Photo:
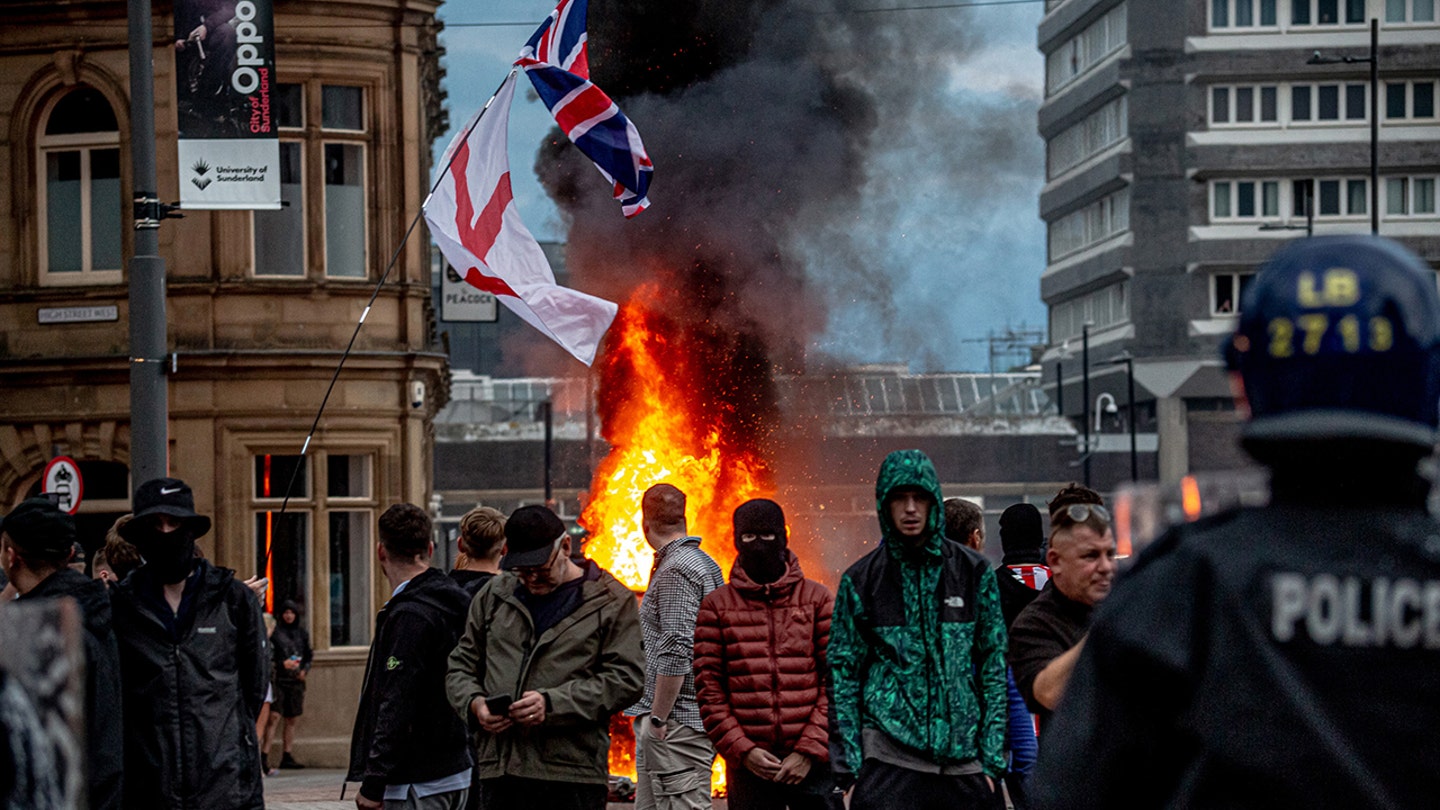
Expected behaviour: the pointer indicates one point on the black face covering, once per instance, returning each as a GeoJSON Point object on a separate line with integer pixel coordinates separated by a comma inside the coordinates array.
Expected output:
{"type": "Point", "coordinates": [170, 556]}
{"type": "Point", "coordinates": [764, 561]}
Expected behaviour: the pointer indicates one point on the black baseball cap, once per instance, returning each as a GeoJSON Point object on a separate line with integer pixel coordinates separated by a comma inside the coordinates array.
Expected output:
{"type": "Point", "coordinates": [37, 526]}
{"type": "Point", "coordinates": [532, 534]}
{"type": "Point", "coordinates": [166, 496]}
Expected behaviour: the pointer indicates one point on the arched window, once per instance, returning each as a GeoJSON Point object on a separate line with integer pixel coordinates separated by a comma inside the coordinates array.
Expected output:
{"type": "Point", "coordinates": [81, 205]}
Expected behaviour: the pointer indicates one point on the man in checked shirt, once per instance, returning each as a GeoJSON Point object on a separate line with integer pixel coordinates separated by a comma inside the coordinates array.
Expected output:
{"type": "Point", "coordinates": [673, 756]}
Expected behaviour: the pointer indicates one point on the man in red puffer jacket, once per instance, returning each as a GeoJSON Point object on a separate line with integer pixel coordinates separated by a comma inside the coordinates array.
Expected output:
{"type": "Point", "coordinates": [760, 670]}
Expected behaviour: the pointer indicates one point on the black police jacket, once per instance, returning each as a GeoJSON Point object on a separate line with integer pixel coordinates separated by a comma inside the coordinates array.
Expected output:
{"type": "Point", "coordinates": [192, 695]}
{"type": "Point", "coordinates": [1278, 657]}
{"type": "Point", "coordinates": [102, 682]}
{"type": "Point", "coordinates": [405, 731]}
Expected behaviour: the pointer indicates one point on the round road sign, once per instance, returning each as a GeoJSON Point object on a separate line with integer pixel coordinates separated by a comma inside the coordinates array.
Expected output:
{"type": "Point", "coordinates": [62, 477]}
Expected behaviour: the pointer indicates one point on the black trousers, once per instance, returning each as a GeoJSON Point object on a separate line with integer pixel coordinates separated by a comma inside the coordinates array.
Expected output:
{"type": "Point", "coordinates": [746, 791]}
{"type": "Point", "coordinates": [514, 792]}
{"type": "Point", "coordinates": [882, 786]}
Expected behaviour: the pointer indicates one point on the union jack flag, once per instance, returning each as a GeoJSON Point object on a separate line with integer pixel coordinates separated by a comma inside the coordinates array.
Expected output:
{"type": "Point", "coordinates": [555, 60]}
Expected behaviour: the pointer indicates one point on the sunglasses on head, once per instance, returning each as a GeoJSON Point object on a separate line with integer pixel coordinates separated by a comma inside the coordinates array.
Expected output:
{"type": "Point", "coordinates": [1081, 512]}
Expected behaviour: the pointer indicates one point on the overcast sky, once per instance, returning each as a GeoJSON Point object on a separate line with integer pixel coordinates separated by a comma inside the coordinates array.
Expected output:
{"type": "Point", "coordinates": [952, 198]}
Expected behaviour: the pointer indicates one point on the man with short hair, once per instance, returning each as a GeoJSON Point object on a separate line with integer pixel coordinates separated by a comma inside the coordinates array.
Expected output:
{"type": "Point", "coordinates": [1285, 655]}
{"type": "Point", "coordinates": [35, 543]}
{"type": "Point", "coordinates": [409, 751]}
{"type": "Point", "coordinates": [1047, 636]}
{"type": "Point", "coordinates": [194, 664]}
{"type": "Point", "coordinates": [673, 757]}
{"type": "Point", "coordinates": [917, 659]}
{"type": "Point", "coordinates": [551, 650]}
{"type": "Point", "coordinates": [965, 523]}
{"type": "Point", "coordinates": [481, 545]}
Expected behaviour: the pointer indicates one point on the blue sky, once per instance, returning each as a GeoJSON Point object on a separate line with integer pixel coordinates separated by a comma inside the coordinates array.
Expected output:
{"type": "Point", "coordinates": [949, 215]}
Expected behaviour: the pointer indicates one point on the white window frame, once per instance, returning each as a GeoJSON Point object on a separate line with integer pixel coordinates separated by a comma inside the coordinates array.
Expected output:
{"type": "Point", "coordinates": [1409, 117]}
{"type": "Point", "coordinates": [1418, 188]}
{"type": "Point", "coordinates": [1232, 6]}
{"type": "Point", "coordinates": [1409, 14]}
{"type": "Point", "coordinates": [1341, 9]}
{"type": "Point", "coordinates": [85, 143]}
{"type": "Point", "coordinates": [1102, 308]}
{"type": "Point", "coordinates": [291, 134]}
{"type": "Point", "coordinates": [1088, 137]}
{"type": "Point", "coordinates": [1232, 96]}
{"type": "Point", "coordinates": [1095, 223]}
{"type": "Point", "coordinates": [1078, 55]}
{"type": "Point", "coordinates": [1235, 279]}
{"type": "Point", "coordinates": [1230, 187]}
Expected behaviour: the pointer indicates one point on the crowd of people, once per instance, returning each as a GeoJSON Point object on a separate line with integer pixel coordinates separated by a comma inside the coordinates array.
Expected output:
{"type": "Point", "coordinates": [1223, 670]}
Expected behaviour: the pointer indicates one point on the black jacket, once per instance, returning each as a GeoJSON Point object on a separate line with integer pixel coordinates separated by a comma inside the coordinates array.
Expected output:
{"type": "Point", "coordinates": [192, 695]}
{"type": "Point", "coordinates": [1277, 657]}
{"type": "Point", "coordinates": [102, 682]}
{"type": "Point", "coordinates": [405, 731]}
{"type": "Point", "coordinates": [290, 640]}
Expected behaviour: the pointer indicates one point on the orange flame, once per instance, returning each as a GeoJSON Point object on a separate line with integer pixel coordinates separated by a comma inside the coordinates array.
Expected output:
{"type": "Point", "coordinates": [655, 426]}
{"type": "Point", "coordinates": [655, 439]}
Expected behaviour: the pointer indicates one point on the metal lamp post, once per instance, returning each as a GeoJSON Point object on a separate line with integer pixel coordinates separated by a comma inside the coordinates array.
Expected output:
{"type": "Point", "coordinates": [1374, 61]}
{"type": "Point", "coordinates": [1085, 396]}
{"type": "Point", "coordinates": [1129, 362]}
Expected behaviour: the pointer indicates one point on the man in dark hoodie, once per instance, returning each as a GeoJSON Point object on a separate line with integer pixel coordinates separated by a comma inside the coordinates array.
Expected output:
{"type": "Point", "coordinates": [917, 658]}
{"type": "Point", "coordinates": [1022, 539]}
{"type": "Point", "coordinates": [760, 670]}
{"type": "Point", "coordinates": [35, 544]}
{"type": "Point", "coordinates": [194, 663]}
{"type": "Point", "coordinates": [291, 653]}
{"type": "Point", "coordinates": [409, 750]}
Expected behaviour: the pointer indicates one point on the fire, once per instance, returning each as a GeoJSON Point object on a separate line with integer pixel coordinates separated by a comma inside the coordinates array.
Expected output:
{"type": "Point", "coordinates": [669, 418]}
{"type": "Point", "coordinates": [653, 420]}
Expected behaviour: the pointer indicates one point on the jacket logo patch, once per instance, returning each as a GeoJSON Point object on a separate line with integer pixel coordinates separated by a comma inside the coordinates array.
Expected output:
{"type": "Point", "coordinates": [955, 601]}
{"type": "Point", "coordinates": [206, 630]}
{"type": "Point", "coordinates": [392, 662]}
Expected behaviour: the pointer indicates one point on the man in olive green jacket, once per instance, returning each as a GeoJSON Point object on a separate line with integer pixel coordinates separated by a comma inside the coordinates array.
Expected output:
{"type": "Point", "coordinates": [551, 650]}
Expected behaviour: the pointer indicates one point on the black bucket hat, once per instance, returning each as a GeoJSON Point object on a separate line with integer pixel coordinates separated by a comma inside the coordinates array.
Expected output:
{"type": "Point", "coordinates": [166, 496]}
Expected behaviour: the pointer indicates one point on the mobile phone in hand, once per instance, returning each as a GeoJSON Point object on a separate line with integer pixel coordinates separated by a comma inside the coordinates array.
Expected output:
{"type": "Point", "coordinates": [498, 705]}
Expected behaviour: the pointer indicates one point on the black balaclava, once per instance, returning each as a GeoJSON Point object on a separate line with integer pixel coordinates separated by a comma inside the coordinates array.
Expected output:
{"type": "Point", "coordinates": [764, 561]}
{"type": "Point", "coordinates": [1022, 534]}
{"type": "Point", "coordinates": [170, 556]}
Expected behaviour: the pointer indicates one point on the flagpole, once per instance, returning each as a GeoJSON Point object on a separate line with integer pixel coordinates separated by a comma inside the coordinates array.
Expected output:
{"type": "Point", "coordinates": [394, 257]}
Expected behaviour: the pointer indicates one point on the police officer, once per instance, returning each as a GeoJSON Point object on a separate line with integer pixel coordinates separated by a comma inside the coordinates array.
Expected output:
{"type": "Point", "coordinates": [1286, 656]}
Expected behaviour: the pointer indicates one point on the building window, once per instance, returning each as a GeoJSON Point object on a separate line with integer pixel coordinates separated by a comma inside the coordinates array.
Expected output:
{"type": "Point", "coordinates": [1246, 104]}
{"type": "Point", "coordinates": [1244, 199]}
{"type": "Point", "coordinates": [1327, 12]}
{"type": "Point", "coordinates": [81, 205]}
{"type": "Point", "coordinates": [1090, 225]}
{"type": "Point", "coordinates": [1095, 133]}
{"type": "Point", "coordinates": [1242, 13]}
{"type": "Point", "coordinates": [326, 524]}
{"type": "Point", "coordinates": [1091, 46]}
{"type": "Point", "coordinates": [1102, 308]}
{"type": "Point", "coordinates": [1329, 102]}
{"type": "Point", "coordinates": [1227, 290]}
{"type": "Point", "coordinates": [1410, 100]}
{"type": "Point", "coordinates": [1410, 196]}
{"type": "Point", "coordinates": [1410, 11]}
{"type": "Point", "coordinates": [1334, 197]}
{"type": "Point", "coordinates": [282, 237]}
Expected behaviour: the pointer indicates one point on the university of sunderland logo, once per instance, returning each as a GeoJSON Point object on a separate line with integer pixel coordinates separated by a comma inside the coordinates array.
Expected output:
{"type": "Point", "coordinates": [201, 168]}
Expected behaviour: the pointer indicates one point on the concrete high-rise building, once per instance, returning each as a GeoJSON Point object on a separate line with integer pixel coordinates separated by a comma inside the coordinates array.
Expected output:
{"type": "Point", "coordinates": [1184, 141]}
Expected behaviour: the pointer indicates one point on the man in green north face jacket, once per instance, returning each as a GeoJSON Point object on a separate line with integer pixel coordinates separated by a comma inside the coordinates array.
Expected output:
{"type": "Point", "coordinates": [917, 656]}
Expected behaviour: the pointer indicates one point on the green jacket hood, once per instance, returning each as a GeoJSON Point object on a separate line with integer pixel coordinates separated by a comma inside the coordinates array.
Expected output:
{"type": "Point", "coordinates": [910, 468]}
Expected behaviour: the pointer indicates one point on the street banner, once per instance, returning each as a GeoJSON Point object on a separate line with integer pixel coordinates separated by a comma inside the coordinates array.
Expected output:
{"type": "Point", "coordinates": [224, 74]}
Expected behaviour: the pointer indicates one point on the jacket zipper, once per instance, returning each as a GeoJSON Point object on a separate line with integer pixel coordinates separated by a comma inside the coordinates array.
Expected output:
{"type": "Point", "coordinates": [774, 668]}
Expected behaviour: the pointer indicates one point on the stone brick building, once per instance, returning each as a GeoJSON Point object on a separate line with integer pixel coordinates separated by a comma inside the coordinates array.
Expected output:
{"type": "Point", "coordinates": [260, 305]}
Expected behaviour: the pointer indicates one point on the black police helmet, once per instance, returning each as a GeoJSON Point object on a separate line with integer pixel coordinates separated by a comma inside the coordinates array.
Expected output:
{"type": "Point", "coordinates": [1339, 338]}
